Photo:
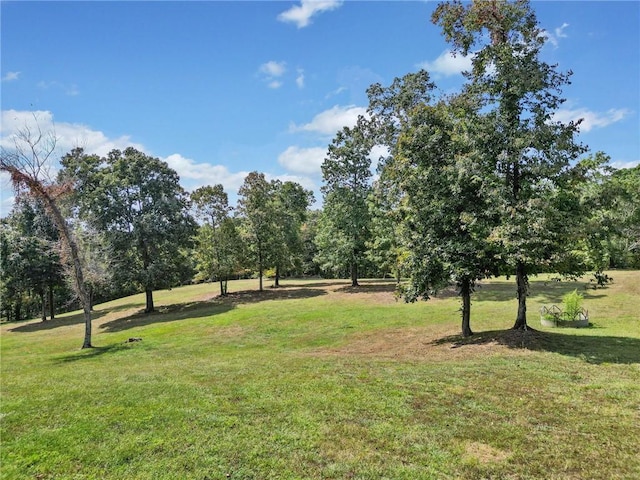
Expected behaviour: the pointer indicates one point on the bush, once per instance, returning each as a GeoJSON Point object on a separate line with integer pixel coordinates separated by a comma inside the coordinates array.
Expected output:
{"type": "Point", "coordinates": [572, 304]}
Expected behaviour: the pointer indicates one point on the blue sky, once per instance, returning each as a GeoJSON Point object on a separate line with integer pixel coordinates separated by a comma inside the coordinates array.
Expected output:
{"type": "Point", "coordinates": [218, 89]}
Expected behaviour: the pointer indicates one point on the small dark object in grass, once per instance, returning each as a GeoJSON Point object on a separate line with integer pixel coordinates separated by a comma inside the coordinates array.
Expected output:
{"type": "Point", "coordinates": [134, 339]}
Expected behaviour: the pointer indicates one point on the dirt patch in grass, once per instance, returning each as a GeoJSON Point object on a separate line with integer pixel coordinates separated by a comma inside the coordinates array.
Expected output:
{"type": "Point", "coordinates": [433, 344]}
{"type": "Point", "coordinates": [426, 344]}
{"type": "Point", "coordinates": [484, 453]}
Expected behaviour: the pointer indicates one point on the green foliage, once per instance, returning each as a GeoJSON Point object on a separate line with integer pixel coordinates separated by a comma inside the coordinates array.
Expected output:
{"type": "Point", "coordinates": [345, 224]}
{"type": "Point", "coordinates": [572, 303]}
{"type": "Point", "coordinates": [137, 202]}
{"type": "Point", "coordinates": [218, 249]}
{"type": "Point", "coordinates": [31, 270]}
{"type": "Point", "coordinates": [310, 383]}
{"type": "Point", "coordinates": [531, 155]}
{"type": "Point", "coordinates": [273, 214]}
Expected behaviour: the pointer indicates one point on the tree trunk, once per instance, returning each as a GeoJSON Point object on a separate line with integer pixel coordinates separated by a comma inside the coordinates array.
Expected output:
{"type": "Point", "coordinates": [18, 310]}
{"type": "Point", "coordinates": [354, 274]}
{"type": "Point", "coordinates": [52, 307]}
{"type": "Point", "coordinates": [260, 269]}
{"type": "Point", "coordinates": [223, 287]}
{"type": "Point", "coordinates": [91, 297]}
{"type": "Point", "coordinates": [44, 306]}
{"type": "Point", "coordinates": [78, 276]}
{"type": "Point", "coordinates": [277, 280]}
{"type": "Point", "coordinates": [149, 294]}
{"type": "Point", "coordinates": [465, 294]}
{"type": "Point", "coordinates": [39, 190]}
{"type": "Point", "coordinates": [522, 282]}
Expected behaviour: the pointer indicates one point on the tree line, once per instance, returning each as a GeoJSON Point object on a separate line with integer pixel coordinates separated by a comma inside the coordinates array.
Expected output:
{"type": "Point", "coordinates": [475, 184]}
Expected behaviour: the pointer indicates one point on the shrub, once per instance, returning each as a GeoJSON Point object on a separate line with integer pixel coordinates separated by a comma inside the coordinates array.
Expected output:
{"type": "Point", "coordinates": [572, 304]}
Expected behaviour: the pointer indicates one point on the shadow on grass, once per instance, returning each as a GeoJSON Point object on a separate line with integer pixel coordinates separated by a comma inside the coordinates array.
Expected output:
{"type": "Point", "coordinates": [316, 284]}
{"type": "Point", "coordinates": [94, 352]}
{"type": "Point", "coordinates": [36, 326]}
{"type": "Point", "coordinates": [282, 292]}
{"type": "Point", "coordinates": [206, 308]}
{"type": "Point", "coordinates": [370, 286]}
{"type": "Point", "coordinates": [545, 291]}
{"type": "Point", "coordinates": [169, 313]}
{"type": "Point", "coordinates": [591, 349]}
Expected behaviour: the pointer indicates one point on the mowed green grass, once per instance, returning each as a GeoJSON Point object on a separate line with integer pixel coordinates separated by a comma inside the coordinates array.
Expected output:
{"type": "Point", "coordinates": [317, 380]}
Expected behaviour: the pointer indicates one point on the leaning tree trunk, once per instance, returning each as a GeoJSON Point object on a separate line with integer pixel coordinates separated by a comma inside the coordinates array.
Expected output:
{"type": "Point", "coordinates": [67, 238]}
{"type": "Point", "coordinates": [522, 282]}
{"type": "Point", "coordinates": [77, 270]}
{"type": "Point", "coordinates": [42, 192]}
{"type": "Point", "coordinates": [465, 294]}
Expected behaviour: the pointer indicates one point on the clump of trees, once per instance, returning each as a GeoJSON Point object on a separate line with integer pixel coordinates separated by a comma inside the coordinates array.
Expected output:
{"type": "Point", "coordinates": [474, 184]}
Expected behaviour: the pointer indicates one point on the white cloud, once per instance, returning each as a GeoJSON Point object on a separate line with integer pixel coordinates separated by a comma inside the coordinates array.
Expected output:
{"type": "Point", "coordinates": [68, 135]}
{"type": "Point", "coordinates": [560, 30]}
{"type": "Point", "coordinates": [301, 14]}
{"type": "Point", "coordinates": [558, 33]}
{"type": "Point", "coordinates": [377, 152]}
{"type": "Point", "coordinates": [6, 194]}
{"type": "Point", "coordinates": [72, 135]}
{"type": "Point", "coordinates": [273, 69]}
{"type": "Point", "coordinates": [11, 76]}
{"type": "Point", "coordinates": [70, 89]}
{"type": "Point", "coordinates": [331, 121]}
{"type": "Point", "coordinates": [193, 174]}
{"type": "Point", "coordinates": [337, 91]}
{"type": "Point", "coordinates": [591, 120]}
{"type": "Point", "coordinates": [625, 164]}
{"type": "Point", "coordinates": [300, 78]}
{"type": "Point", "coordinates": [303, 160]}
{"type": "Point", "coordinates": [448, 64]}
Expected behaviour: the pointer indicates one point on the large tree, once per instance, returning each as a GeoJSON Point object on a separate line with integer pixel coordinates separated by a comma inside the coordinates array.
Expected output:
{"type": "Point", "coordinates": [217, 241]}
{"type": "Point", "coordinates": [32, 263]}
{"type": "Point", "coordinates": [27, 164]}
{"type": "Point", "coordinates": [531, 153]}
{"type": "Point", "coordinates": [290, 203]}
{"type": "Point", "coordinates": [446, 209]}
{"type": "Point", "coordinates": [390, 109]}
{"type": "Point", "coordinates": [255, 207]}
{"type": "Point", "coordinates": [345, 223]}
{"type": "Point", "coordinates": [137, 202]}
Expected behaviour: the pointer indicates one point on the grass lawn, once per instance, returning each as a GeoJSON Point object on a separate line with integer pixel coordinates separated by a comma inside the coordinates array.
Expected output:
{"type": "Point", "coordinates": [317, 380]}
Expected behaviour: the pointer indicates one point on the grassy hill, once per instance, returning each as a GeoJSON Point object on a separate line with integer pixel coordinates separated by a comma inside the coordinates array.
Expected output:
{"type": "Point", "coordinates": [320, 380]}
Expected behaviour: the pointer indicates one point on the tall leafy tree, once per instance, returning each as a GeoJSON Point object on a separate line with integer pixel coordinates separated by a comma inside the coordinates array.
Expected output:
{"type": "Point", "coordinates": [38, 251]}
{"type": "Point", "coordinates": [345, 225]}
{"type": "Point", "coordinates": [611, 237]}
{"type": "Point", "coordinates": [390, 110]}
{"type": "Point", "coordinates": [385, 247]}
{"type": "Point", "coordinates": [255, 206]}
{"type": "Point", "coordinates": [217, 241]}
{"type": "Point", "coordinates": [27, 165]}
{"type": "Point", "coordinates": [290, 203]}
{"type": "Point", "coordinates": [531, 153]}
{"type": "Point", "coordinates": [138, 203]}
{"type": "Point", "coordinates": [308, 233]}
{"type": "Point", "coordinates": [446, 209]}
{"type": "Point", "coordinates": [625, 185]}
